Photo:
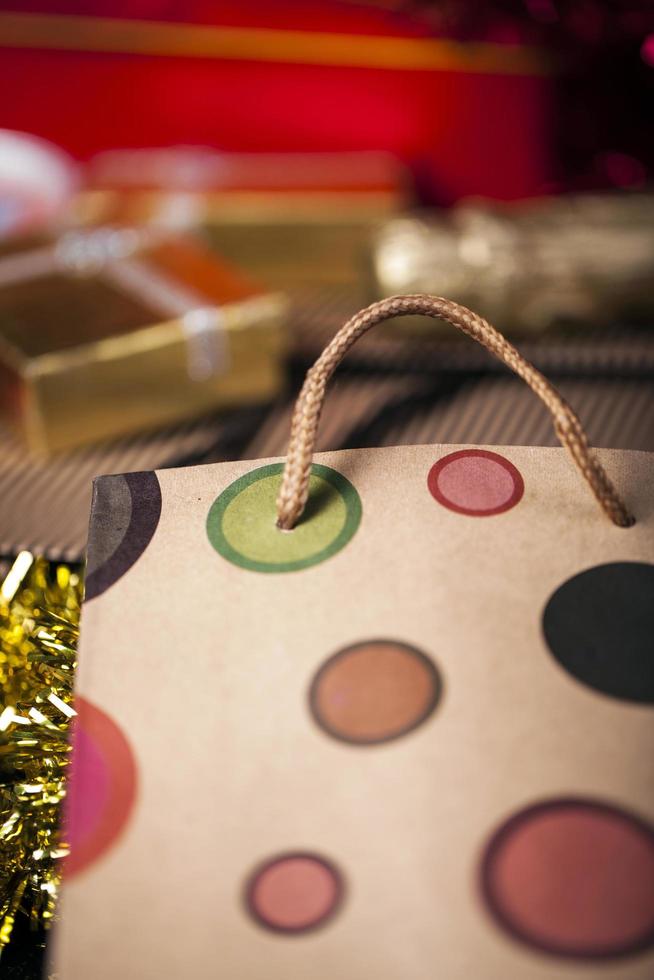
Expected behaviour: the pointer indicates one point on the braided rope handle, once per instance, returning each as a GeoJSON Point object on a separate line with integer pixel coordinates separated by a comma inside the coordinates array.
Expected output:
{"type": "Point", "coordinates": [294, 489]}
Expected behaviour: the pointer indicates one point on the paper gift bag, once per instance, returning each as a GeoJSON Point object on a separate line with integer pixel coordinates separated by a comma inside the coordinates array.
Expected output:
{"type": "Point", "coordinates": [385, 713]}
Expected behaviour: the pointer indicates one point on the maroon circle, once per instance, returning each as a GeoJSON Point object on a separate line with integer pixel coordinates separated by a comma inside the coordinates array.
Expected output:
{"type": "Point", "coordinates": [285, 919]}
{"type": "Point", "coordinates": [570, 891]}
{"type": "Point", "coordinates": [442, 464]}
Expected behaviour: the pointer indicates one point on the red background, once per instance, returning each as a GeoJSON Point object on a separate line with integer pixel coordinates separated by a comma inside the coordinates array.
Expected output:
{"type": "Point", "coordinates": [462, 133]}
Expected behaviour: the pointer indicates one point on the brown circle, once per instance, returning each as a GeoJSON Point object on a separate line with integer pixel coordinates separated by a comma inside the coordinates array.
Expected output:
{"type": "Point", "coordinates": [294, 892]}
{"type": "Point", "coordinates": [374, 691]}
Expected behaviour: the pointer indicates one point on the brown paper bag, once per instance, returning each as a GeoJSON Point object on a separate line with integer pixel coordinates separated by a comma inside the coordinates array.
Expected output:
{"type": "Point", "coordinates": [410, 738]}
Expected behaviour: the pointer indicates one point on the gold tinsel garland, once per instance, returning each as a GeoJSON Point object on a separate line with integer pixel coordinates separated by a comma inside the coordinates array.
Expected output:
{"type": "Point", "coordinates": [39, 627]}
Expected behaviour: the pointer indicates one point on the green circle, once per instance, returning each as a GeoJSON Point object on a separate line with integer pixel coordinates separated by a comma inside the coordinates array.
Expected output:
{"type": "Point", "coordinates": [241, 522]}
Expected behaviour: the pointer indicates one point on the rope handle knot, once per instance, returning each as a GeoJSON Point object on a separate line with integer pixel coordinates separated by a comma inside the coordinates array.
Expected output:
{"type": "Point", "coordinates": [294, 490]}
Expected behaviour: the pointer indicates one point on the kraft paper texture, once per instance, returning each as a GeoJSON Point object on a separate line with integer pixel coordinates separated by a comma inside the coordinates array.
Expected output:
{"type": "Point", "coordinates": [206, 666]}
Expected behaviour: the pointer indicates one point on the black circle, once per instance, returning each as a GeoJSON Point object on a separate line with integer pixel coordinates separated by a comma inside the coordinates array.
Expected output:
{"type": "Point", "coordinates": [599, 625]}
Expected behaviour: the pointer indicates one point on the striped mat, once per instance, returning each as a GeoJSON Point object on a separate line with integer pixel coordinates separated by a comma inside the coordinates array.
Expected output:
{"type": "Point", "coordinates": [492, 411]}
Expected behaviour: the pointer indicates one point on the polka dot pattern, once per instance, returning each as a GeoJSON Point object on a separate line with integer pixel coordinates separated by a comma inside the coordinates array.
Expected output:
{"type": "Point", "coordinates": [294, 893]}
{"type": "Point", "coordinates": [568, 877]}
{"type": "Point", "coordinates": [125, 514]}
{"type": "Point", "coordinates": [599, 625]}
{"type": "Point", "coordinates": [573, 878]}
{"type": "Point", "coordinates": [373, 692]}
{"type": "Point", "coordinates": [101, 790]}
{"type": "Point", "coordinates": [241, 524]}
{"type": "Point", "coordinates": [475, 482]}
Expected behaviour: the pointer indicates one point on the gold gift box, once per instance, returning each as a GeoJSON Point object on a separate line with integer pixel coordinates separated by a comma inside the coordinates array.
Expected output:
{"type": "Point", "coordinates": [291, 219]}
{"type": "Point", "coordinates": [111, 330]}
{"type": "Point", "coordinates": [326, 246]}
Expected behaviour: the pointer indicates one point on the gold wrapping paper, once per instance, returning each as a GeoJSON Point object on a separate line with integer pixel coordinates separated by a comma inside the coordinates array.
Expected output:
{"type": "Point", "coordinates": [575, 261]}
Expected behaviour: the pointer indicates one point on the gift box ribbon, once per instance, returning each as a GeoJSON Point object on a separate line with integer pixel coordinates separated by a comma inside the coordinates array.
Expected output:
{"type": "Point", "coordinates": [114, 254]}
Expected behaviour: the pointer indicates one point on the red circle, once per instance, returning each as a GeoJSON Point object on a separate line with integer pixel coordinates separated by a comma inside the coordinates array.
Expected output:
{"type": "Point", "coordinates": [101, 787]}
{"type": "Point", "coordinates": [294, 892]}
{"type": "Point", "coordinates": [475, 482]}
{"type": "Point", "coordinates": [573, 877]}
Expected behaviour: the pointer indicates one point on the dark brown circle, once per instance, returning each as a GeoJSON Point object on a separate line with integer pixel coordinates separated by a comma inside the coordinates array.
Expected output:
{"type": "Point", "coordinates": [374, 691]}
{"type": "Point", "coordinates": [294, 892]}
{"type": "Point", "coordinates": [124, 516]}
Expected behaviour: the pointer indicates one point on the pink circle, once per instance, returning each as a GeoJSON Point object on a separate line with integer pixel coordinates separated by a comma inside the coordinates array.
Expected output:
{"type": "Point", "coordinates": [101, 788]}
{"type": "Point", "coordinates": [573, 878]}
{"type": "Point", "coordinates": [294, 892]}
{"type": "Point", "coordinates": [475, 482]}
{"type": "Point", "coordinates": [89, 787]}
{"type": "Point", "coordinates": [647, 50]}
